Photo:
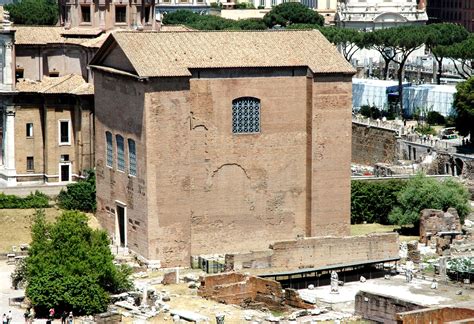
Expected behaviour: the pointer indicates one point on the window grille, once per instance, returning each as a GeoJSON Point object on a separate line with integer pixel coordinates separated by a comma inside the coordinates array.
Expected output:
{"type": "Point", "coordinates": [120, 153]}
{"type": "Point", "coordinates": [132, 157]}
{"type": "Point", "coordinates": [110, 149]}
{"type": "Point", "coordinates": [246, 115]}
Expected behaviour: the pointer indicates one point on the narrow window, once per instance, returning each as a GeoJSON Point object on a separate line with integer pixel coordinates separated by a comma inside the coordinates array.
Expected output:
{"type": "Point", "coordinates": [30, 163]}
{"type": "Point", "coordinates": [64, 136]}
{"type": "Point", "coordinates": [147, 14]}
{"type": "Point", "coordinates": [64, 158]}
{"type": "Point", "coordinates": [29, 129]}
{"type": "Point", "coordinates": [19, 72]}
{"type": "Point", "coordinates": [246, 115]}
{"type": "Point", "coordinates": [120, 14]}
{"type": "Point", "coordinates": [132, 157]}
{"type": "Point", "coordinates": [120, 153]}
{"type": "Point", "coordinates": [86, 14]}
{"type": "Point", "coordinates": [110, 150]}
{"type": "Point", "coordinates": [53, 74]}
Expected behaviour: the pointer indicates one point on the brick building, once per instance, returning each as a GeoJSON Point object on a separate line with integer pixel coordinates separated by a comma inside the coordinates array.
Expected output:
{"type": "Point", "coordinates": [454, 11]}
{"type": "Point", "coordinates": [211, 142]}
{"type": "Point", "coordinates": [47, 105]}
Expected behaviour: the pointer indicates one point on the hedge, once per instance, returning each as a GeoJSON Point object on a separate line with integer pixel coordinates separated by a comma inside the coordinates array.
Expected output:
{"type": "Point", "coordinates": [33, 200]}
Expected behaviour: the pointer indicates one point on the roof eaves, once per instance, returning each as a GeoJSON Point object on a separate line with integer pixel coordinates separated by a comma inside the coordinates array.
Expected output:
{"type": "Point", "coordinates": [116, 71]}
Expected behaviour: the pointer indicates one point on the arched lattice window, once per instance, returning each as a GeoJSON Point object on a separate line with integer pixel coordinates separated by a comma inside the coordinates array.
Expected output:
{"type": "Point", "coordinates": [120, 153]}
{"type": "Point", "coordinates": [245, 115]}
{"type": "Point", "coordinates": [132, 158]}
{"type": "Point", "coordinates": [109, 149]}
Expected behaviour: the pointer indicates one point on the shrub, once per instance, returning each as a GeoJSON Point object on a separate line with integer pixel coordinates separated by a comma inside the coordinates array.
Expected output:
{"type": "Point", "coordinates": [435, 118]}
{"type": "Point", "coordinates": [370, 112]}
{"type": "Point", "coordinates": [80, 195]}
{"type": "Point", "coordinates": [425, 130]}
{"type": "Point", "coordinates": [33, 200]}
{"type": "Point", "coordinates": [422, 192]}
{"type": "Point", "coordinates": [372, 201]}
{"type": "Point", "coordinates": [70, 266]}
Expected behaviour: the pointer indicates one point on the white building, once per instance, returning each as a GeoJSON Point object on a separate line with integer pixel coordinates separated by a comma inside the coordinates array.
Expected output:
{"type": "Point", "coordinates": [375, 14]}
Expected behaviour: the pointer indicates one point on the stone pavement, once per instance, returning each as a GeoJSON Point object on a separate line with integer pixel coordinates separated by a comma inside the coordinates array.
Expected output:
{"type": "Point", "coordinates": [6, 292]}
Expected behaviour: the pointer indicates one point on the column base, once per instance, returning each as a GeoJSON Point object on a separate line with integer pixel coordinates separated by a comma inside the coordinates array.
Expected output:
{"type": "Point", "coordinates": [8, 177]}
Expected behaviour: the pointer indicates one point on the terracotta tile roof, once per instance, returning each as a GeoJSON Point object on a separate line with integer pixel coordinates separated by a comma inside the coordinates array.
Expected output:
{"type": "Point", "coordinates": [78, 31]}
{"type": "Point", "coordinates": [42, 35]}
{"type": "Point", "coordinates": [68, 84]}
{"type": "Point", "coordinates": [174, 53]}
{"type": "Point", "coordinates": [175, 28]}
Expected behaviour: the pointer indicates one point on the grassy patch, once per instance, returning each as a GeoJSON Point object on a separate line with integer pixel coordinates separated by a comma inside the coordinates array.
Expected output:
{"type": "Point", "coordinates": [16, 225]}
{"type": "Point", "coordinates": [363, 229]}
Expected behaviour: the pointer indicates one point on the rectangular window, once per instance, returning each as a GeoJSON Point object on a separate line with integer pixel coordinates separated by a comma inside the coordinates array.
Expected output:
{"type": "Point", "coordinates": [19, 74]}
{"type": "Point", "coordinates": [110, 150]}
{"type": "Point", "coordinates": [86, 14]}
{"type": "Point", "coordinates": [65, 158]}
{"type": "Point", "coordinates": [29, 129]}
{"type": "Point", "coordinates": [132, 157]}
{"type": "Point", "coordinates": [147, 14]}
{"type": "Point", "coordinates": [120, 14]}
{"type": "Point", "coordinates": [64, 132]}
{"type": "Point", "coordinates": [53, 74]}
{"type": "Point", "coordinates": [262, 3]}
{"type": "Point", "coordinates": [120, 153]}
{"type": "Point", "coordinates": [30, 163]}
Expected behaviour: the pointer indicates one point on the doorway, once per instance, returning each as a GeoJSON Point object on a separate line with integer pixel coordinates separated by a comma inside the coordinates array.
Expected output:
{"type": "Point", "coordinates": [65, 172]}
{"type": "Point", "coordinates": [121, 230]}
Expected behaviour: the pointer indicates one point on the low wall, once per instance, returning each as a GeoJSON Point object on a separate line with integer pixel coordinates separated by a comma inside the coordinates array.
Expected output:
{"type": "Point", "coordinates": [240, 289]}
{"type": "Point", "coordinates": [381, 308]}
{"type": "Point", "coordinates": [323, 251]}
{"type": "Point", "coordinates": [436, 315]}
{"type": "Point", "coordinates": [315, 252]}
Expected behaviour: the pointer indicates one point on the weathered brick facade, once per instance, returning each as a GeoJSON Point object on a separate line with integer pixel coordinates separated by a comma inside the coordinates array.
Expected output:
{"type": "Point", "coordinates": [203, 189]}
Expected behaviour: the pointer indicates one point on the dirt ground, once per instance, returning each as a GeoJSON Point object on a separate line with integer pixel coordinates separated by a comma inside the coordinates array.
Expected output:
{"type": "Point", "coordinates": [15, 226]}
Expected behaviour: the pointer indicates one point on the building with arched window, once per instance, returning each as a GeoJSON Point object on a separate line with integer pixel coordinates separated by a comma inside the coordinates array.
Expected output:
{"type": "Point", "coordinates": [229, 142]}
{"type": "Point", "coordinates": [376, 14]}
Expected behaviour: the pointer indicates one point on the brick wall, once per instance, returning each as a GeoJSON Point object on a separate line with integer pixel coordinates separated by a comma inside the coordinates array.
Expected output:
{"type": "Point", "coordinates": [316, 252]}
{"type": "Point", "coordinates": [322, 251]}
{"type": "Point", "coordinates": [437, 315]}
{"type": "Point", "coordinates": [381, 308]}
{"type": "Point", "coordinates": [372, 145]}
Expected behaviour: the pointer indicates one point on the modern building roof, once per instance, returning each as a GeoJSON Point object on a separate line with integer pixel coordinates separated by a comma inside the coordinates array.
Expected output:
{"type": "Point", "coordinates": [163, 54]}
{"type": "Point", "coordinates": [68, 84]}
{"type": "Point", "coordinates": [41, 35]}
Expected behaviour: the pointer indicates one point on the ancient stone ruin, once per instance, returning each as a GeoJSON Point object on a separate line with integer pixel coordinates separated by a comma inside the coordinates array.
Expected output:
{"type": "Point", "coordinates": [436, 223]}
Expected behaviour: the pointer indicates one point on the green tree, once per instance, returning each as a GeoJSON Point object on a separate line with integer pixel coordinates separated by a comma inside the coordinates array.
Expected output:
{"type": "Point", "coordinates": [348, 41]}
{"type": "Point", "coordinates": [377, 40]}
{"type": "Point", "coordinates": [372, 201]}
{"type": "Point", "coordinates": [210, 22]}
{"type": "Point", "coordinates": [464, 107]}
{"type": "Point", "coordinates": [438, 36]}
{"type": "Point", "coordinates": [289, 13]}
{"type": "Point", "coordinates": [422, 192]}
{"type": "Point", "coordinates": [462, 55]}
{"type": "Point", "coordinates": [70, 266]}
{"type": "Point", "coordinates": [80, 195]}
{"type": "Point", "coordinates": [397, 44]}
{"type": "Point", "coordinates": [33, 12]}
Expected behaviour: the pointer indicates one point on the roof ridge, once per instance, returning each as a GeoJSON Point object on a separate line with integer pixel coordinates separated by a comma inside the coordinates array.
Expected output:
{"type": "Point", "coordinates": [212, 31]}
{"type": "Point", "coordinates": [66, 78]}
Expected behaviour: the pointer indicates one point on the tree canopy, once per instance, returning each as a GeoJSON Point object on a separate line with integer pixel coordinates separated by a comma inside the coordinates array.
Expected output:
{"type": "Point", "coordinates": [438, 37]}
{"type": "Point", "coordinates": [462, 54]}
{"type": "Point", "coordinates": [80, 195]}
{"type": "Point", "coordinates": [210, 22]}
{"type": "Point", "coordinates": [289, 13]}
{"type": "Point", "coordinates": [33, 12]}
{"type": "Point", "coordinates": [69, 266]}
{"type": "Point", "coordinates": [348, 40]}
{"type": "Point", "coordinates": [422, 192]}
{"type": "Point", "coordinates": [464, 106]}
